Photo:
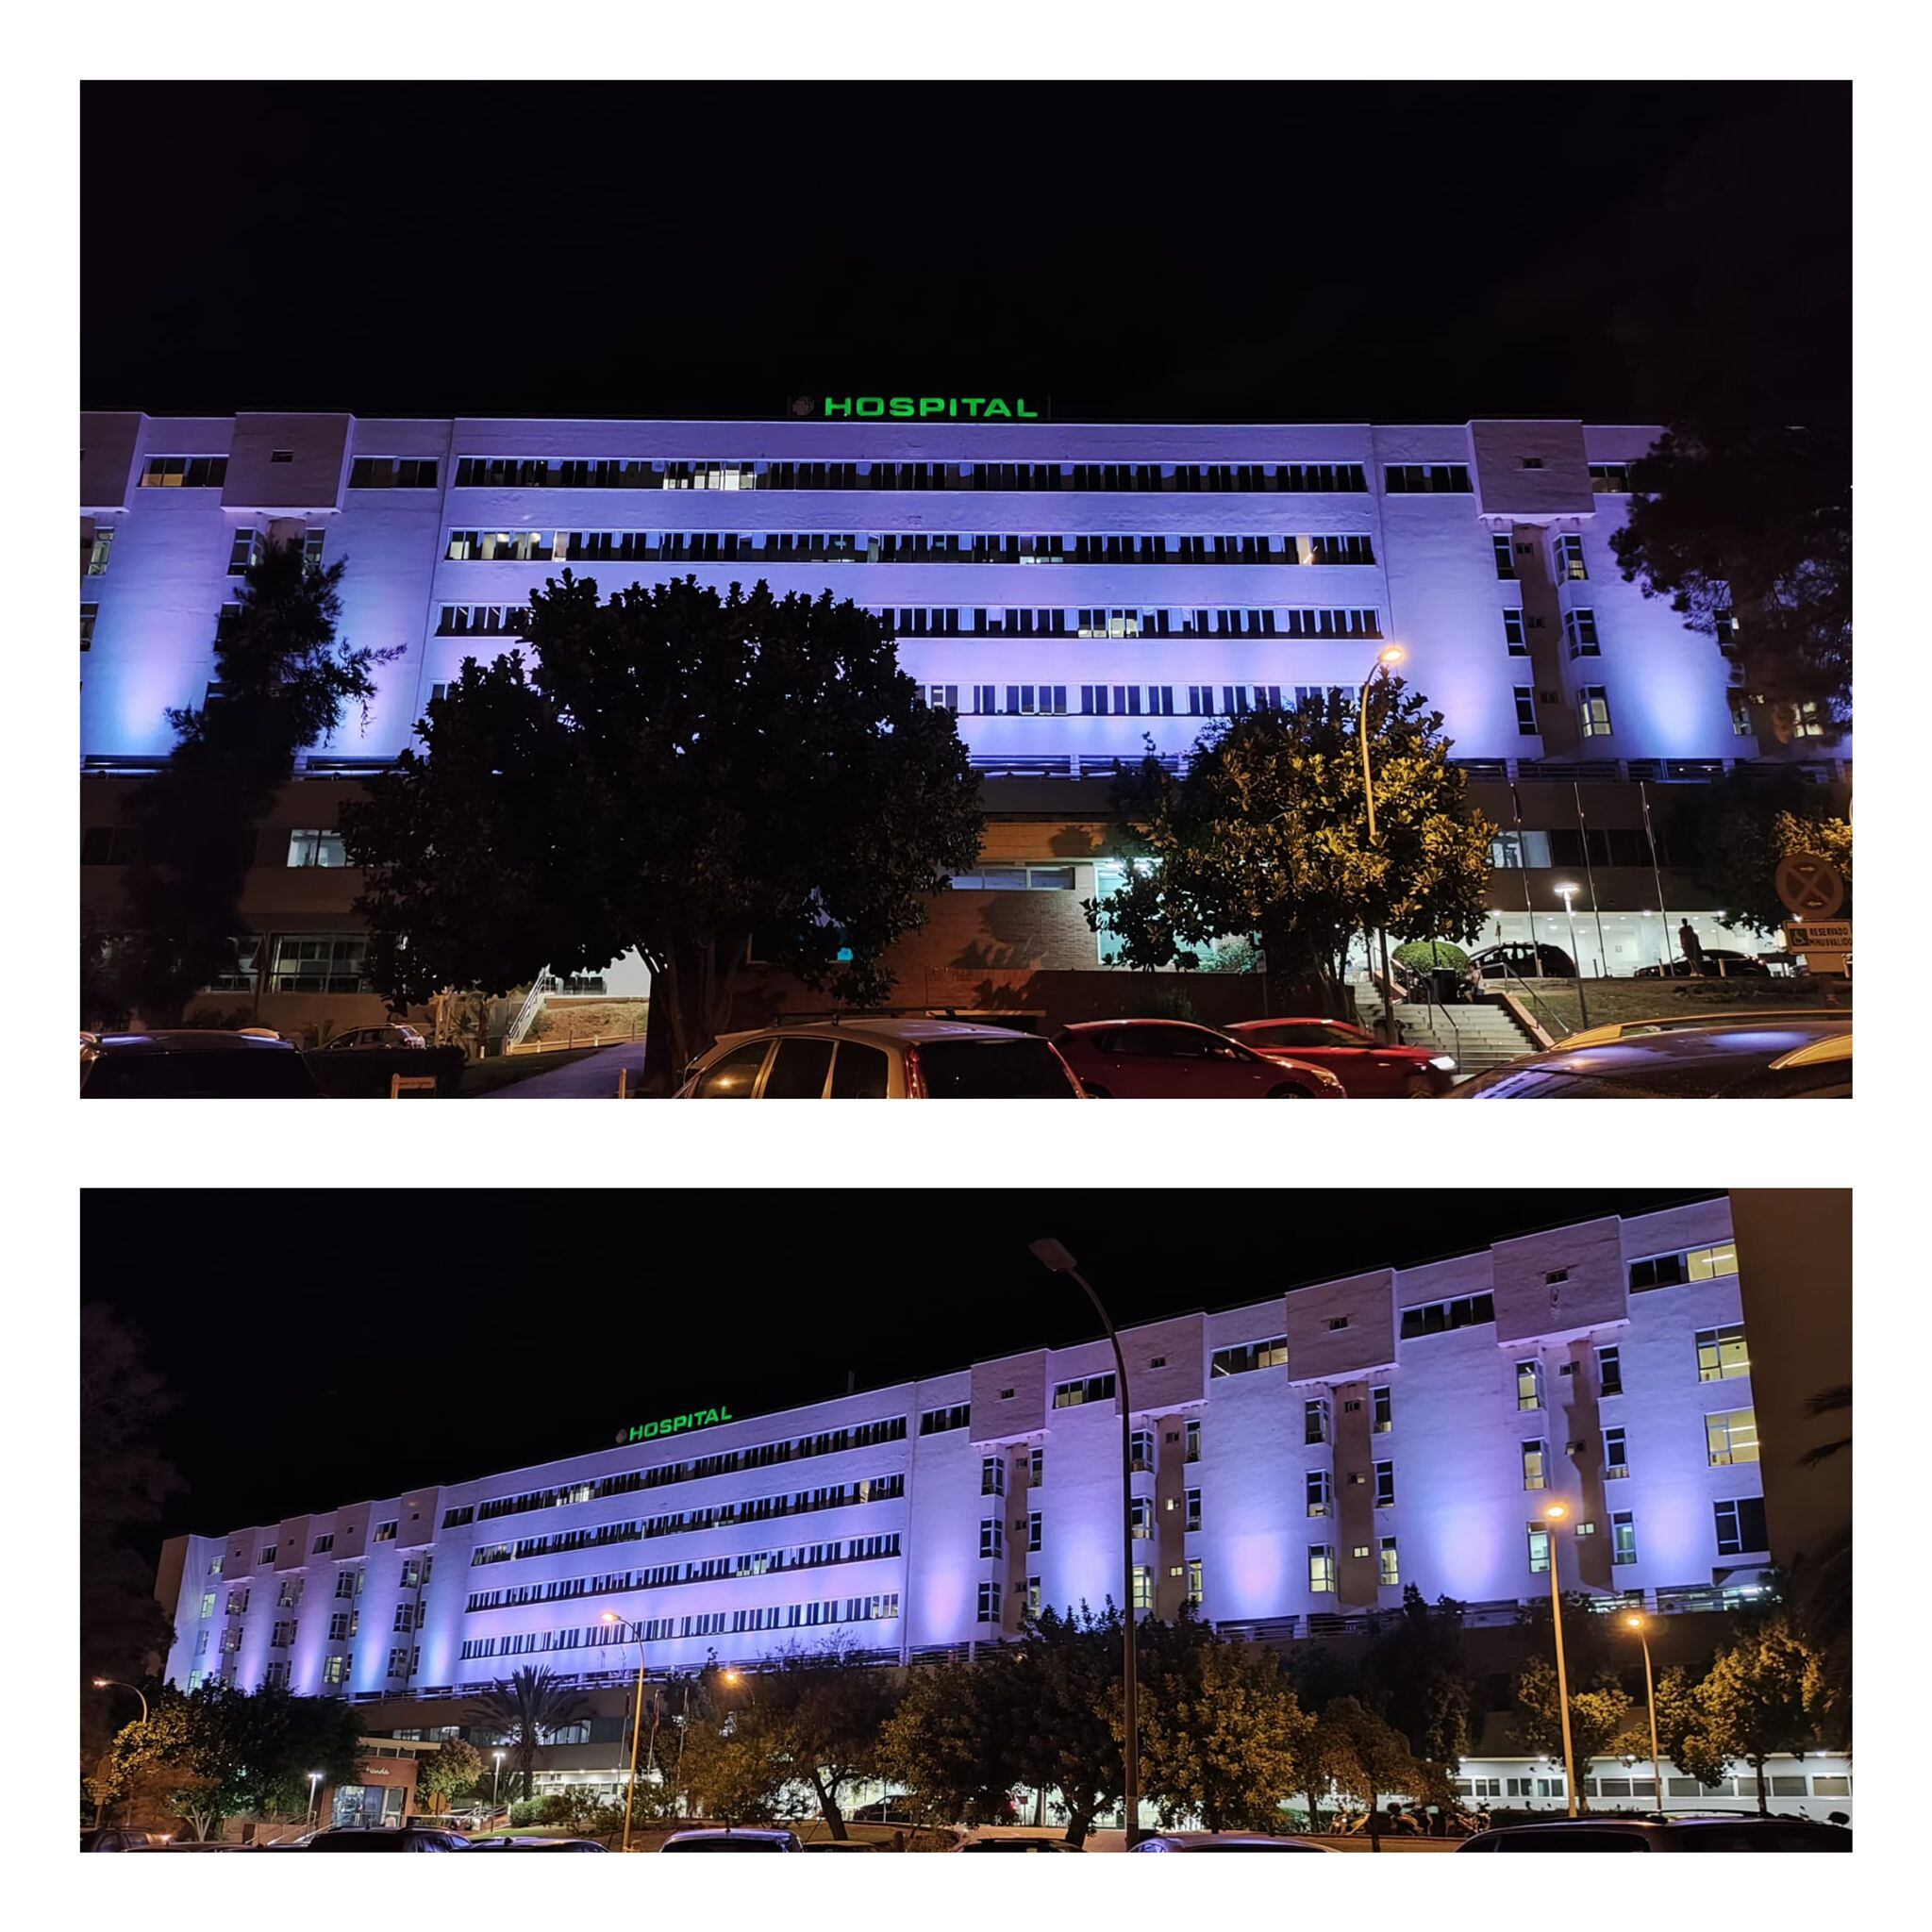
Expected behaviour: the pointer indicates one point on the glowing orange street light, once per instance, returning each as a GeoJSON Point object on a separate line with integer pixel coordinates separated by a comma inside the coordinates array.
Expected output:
{"type": "Point", "coordinates": [1639, 1624]}
{"type": "Point", "coordinates": [1552, 1514]}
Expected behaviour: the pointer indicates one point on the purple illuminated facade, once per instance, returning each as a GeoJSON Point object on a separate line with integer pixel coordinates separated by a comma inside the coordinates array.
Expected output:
{"type": "Point", "coordinates": [1302, 1460]}
{"type": "Point", "coordinates": [1067, 590]}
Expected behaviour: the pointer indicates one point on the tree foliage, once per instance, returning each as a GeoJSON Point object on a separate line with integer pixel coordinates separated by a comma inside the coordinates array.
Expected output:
{"type": "Point", "coordinates": [1265, 834]}
{"type": "Point", "coordinates": [1736, 829]}
{"type": "Point", "coordinates": [527, 1707]}
{"type": "Point", "coordinates": [672, 772]}
{"type": "Point", "coordinates": [1765, 1694]}
{"type": "Point", "coordinates": [1350, 1756]}
{"type": "Point", "coordinates": [827, 1710]}
{"type": "Point", "coordinates": [285, 684]}
{"type": "Point", "coordinates": [1603, 1716]}
{"type": "Point", "coordinates": [218, 1753]}
{"type": "Point", "coordinates": [1417, 1676]}
{"type": "Point", "coordinates": [1220, 1732]}
{"type": "Point", "coordinates": [453, 1769]}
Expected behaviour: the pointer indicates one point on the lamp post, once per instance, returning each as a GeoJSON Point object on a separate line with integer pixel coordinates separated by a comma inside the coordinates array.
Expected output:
{"type": "Point", "coordinates": [1385, 662]}
{"type": "Point", "coordinates": [1055, 1257]}
{"type": "Point", "coordinates": [496, 1780]}
{"type": "Point", "coordinates": [1635, 1621]}
{"type": "Point", "coordinates": [636, 1719]}
{"type": "Point", "coordinates": [314, 1786]}
{"type": "Point", "coordinates": [1569, 897]}
{"type": "Point", "coordinates": [1552, 1516]}
{"type": "Point", "coordinates": [101, 1684]}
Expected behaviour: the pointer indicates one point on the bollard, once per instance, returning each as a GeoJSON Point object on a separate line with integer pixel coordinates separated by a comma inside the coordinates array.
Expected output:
{"type": "Point", "coordinates": [623, 1083]}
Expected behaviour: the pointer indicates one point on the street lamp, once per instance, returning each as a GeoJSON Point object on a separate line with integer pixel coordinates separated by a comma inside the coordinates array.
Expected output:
{"type": "Point", "coordinates": [636, 1719]}
{"type": "Point", "coordinates": [1637, 1622]}
{"type": "Point", "coordinates": [1385, 662]}
{"type": "Point", "coordinates": [120, 1684]}
{"type": "Point", "coordinates": [1053, 1257]}
{"type": "Point", "coordinates": [314, 1784]}
{"type": "Point", "coordinates": [1552, 1516]}
{"type": "Point", "coordinates": [1569, 897]}
{"type": "Point", "coordinates": [495, 1779]}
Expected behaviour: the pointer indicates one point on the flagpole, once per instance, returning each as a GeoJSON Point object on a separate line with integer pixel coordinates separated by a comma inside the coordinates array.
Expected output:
{"type": "Point", "coordinates": [1644, 793]}
{"type": "Point", "coordinates": [1603, 949]}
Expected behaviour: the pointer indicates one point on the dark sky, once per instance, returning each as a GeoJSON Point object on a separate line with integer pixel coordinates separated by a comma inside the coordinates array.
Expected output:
{"type": "Point", "coordinates": [1210, 252]}
{"type": "Point", "coordinates": [329, 1346]}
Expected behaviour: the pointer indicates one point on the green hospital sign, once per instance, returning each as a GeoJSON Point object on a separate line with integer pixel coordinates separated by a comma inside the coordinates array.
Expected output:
{"type": "Point", "coordinates": [973, 408]}
{"type": "Point", "coordinates": [673, 1425]}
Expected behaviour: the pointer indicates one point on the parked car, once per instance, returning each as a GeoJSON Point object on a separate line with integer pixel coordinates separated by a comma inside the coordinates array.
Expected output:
{"type": "Point", "coordinates": [730, 1841]}
{"type": "Point", "coordinates": [1519, 957]}
{"type": "Point", "coordinates": [408, 1838]}
{"type": "Point", "coordinates": [1175, 1059]}
{"type": "Point", "coordinates": [1808, 1059]}
{"type": "Point", "coordinates": [192, 1063]}
{"type": "Point", "coordinates": [1705, 1020]}
{"type": "Point", "coordinates": [537, 1845]}
{"type": "Point", "coordinates": [1018, 1841]}
{"type": "Point", "coordinates": [115, 1837]}
{"type": "Point", "coordinates": [1718, 962]}
{"type": "Point", "coordinates": [1223, 1842]}
{"type": "Point", "coordinates": [1366, 1068]}
{"type": "Point", "coordinates": [840, 1844]}
{"type": "Point", "coordinates": [881, 1058]}
{"type": "Point", "coordinates": [1728, 1832]}
{"type": "Point", "coordinates": [361, 1039]}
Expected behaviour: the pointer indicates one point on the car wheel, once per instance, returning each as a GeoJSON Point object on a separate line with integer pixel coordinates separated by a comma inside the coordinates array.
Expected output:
{"type": "Point", "coordinates": [1418, 1087]}
{"type": "Point", "coordinates": [1286, 1093]}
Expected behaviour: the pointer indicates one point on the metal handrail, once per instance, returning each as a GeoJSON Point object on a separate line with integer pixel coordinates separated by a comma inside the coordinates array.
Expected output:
{"type": "Point", "coordinates": [540, 988]}
{"type": "Point", "coordinates": [1562, 1027]}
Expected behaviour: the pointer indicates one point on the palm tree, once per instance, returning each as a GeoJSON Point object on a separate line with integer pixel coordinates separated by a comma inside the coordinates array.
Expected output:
{"type": "Point", "coordinates": [1827, 1402]}
{"type": "Point", "coordinates": [527, 1708]}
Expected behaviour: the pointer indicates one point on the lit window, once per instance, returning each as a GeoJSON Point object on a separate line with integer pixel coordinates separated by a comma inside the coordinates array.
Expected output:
{"type": "Point", "coordinates": [1143, 1585]}
{"type": "Point", "coordinates": [1140, 1450]}
{"type": "Point", "coordinates": [1536, 1465]}
{"type": "Point", "coordinates": [1033, 1598]}
{"type": "Point", "coordinates": [1093, 1388]}
{"type": "Point", "coordinates": [244, 552]}
{"type": "Point", "coordinates": [1530, 1385]}
{"type": "Point", "coordinates": [1539, 1549]}
{"type": "Point", "coordinates": [1688, 1264]}
{"type": "Point", "coordinates": [1320, 1489]}
{"type": "Point", "coordinates": [1195, 1572]}
{"type": "Point", "coordinates": [1391, 1566]}
{"type": "Point", "coordinates": [1593, 710]}
{"type": "Point", "coordinates": [1721, 1354]}
{"type": "Point", "coordinates": [1616, 1454]}
{"type": "Point", "coordinates": [1249, 1356]}
{"type": "Point", "coordinates": [316, 848]}
{"type": "Point", "coordinates": [1141, 1510]}
{"type": "Point", "coordinates": [1731, 1437]}
{"type": "Point", "coordinates": [1623, 1536]}
{"type": "Point", "coordinates": [1570, 566]}
{"type": "Point", "coordinates": [1322, 1568]}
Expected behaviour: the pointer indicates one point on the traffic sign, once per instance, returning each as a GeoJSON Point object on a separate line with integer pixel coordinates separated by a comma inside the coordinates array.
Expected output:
{"type": "Point", "coordinates": [1819, 936]}
{"type": "Point", "coordinates": [1810, 886]}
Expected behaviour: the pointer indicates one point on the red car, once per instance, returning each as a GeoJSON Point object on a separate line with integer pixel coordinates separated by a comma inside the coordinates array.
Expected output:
{"type": "Point", "coordinates": [1364, 1066]}
{"type": "Point", "coordinates": [1174, 1059]}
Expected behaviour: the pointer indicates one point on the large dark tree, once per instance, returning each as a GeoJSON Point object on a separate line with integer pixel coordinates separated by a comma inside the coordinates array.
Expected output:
{"type": "Point", "coordinates": [1740, 331]}
{"type": "Point", "coordinates": [1735, 830]}
{"type": "Point", "coordinates": [123, 1481]}
{"type": "Point", "coordinates": [672, 772]}
{"type": "Point", "coordinates": [1265, 835]}
{"type": "Point", "coordinates": [1417, 1676]}
{"type": "Point", "coordinates": [284, 683]}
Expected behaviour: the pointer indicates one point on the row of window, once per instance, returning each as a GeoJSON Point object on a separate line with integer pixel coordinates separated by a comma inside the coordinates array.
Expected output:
{"type": "Point", "coordinates": [856, 1549]}
{"type": "Point", "coordinates": [1567, 562]}
{"type": "Point", "coordinates": [1686, 1265]}
{"type": "Point", "coordinates": [1297, 620]}
{"type": "Point", "coordinates": [1723, 1356]}
{"type": "Point", "coordinates": [757, 1509]}
{"type": "Point", "coordinates": [616, 473]}
{"type": "Point", "coordinates": [1730, 1437]}
{"type": "Point", "coordinates": [850, 1609]}
{"type": "Point", "coordinates": [920, 546]}
{"type": "Point", "coordinates": [1122, 700]}
{"type": "Point", "coordinates": [726, 1462]}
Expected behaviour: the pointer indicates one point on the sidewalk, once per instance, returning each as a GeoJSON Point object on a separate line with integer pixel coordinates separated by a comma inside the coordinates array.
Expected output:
{"type": "Point", "coordinates": [593, 1078]}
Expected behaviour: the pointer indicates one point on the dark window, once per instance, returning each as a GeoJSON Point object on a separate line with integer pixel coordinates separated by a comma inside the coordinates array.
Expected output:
{"type": "Point", "coordinates": [859, 1073]}
{"type": "Point", "coordinates": [993, 1069]}
{"type": "Point", "coordinates": [249, 1073]}
{"type": "Point", "coordinates": [799, 1070]}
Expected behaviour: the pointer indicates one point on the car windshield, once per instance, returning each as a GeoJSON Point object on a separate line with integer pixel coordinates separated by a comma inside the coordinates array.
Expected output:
{"type": "Point", "coordinates": [1303, 1033]}
{"type": "Point", "coordinates": [1022, 1068]}
{"type": "Point", "coordinates": [249, 1073]}
{"type": "Point", "coordinates": [724, 1844]}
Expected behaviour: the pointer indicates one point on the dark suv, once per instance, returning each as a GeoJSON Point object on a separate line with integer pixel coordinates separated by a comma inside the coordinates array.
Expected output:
{"type": "Point", "coordinates": [1732, 1832]}
{"type": "Point", "coordinates": [407, 1838]}
{"type": "Point", "coordinates": [192, 1063]}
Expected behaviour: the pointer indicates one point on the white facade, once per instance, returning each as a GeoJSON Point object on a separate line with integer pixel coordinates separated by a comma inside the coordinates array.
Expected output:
{"type": "Point", "coordinates": [1267, 560]}
{"type": "Point", "coordinates": [738, 1538]}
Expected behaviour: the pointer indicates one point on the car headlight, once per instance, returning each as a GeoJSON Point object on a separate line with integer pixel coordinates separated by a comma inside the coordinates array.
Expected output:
{"type": "Point", "coordinates": [1442, 1060]}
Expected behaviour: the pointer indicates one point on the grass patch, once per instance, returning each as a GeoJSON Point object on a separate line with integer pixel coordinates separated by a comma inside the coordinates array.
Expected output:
{"type": "Point", "coordinates": [489, 1076]}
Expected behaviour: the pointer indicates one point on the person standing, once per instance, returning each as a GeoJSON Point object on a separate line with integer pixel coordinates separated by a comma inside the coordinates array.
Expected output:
{"type": "Point", "coordinates": [1693, 948]}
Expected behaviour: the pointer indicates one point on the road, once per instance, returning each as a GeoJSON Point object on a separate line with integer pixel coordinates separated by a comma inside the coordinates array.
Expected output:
{"type": "Point", "coordinates": [593, 1078]}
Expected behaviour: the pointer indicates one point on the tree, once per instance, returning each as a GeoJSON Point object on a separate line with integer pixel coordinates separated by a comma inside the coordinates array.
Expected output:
{"type": "Point", "coordinates": [1265, 834]}
{"type": "Point", "coordinates": [525, 1708]}
{"type": "Point", "coordinates": [1042, 1711]}
{"type": "Point", "coordinates": [216, 1753]}
{"type": "Point", "coordinates": [827, 1710]}
{"type": "Point", "coordinates": [1220, 1729]}
{"type": "Point", "coordinates": [1602, 1714]}
{"type": "Point", "coordinates": [1741, 330]}
{"type": "Point", "coordinates": [453, 1767]}
{"type": "Point", "coordinates": [1759, 1699]}
{"type": "Point", "coordinates": [284, 683]}
{"type": "Point", "coordinates": [124, 1483]}
{"type": "Point", "coordinates": [675, 773]}
{"type": "Point", "coordinates": [1736, 828]}
{"type": "Point", "coordinates": [1355, 1755]}
{"type": "Point", "coordinates": [1417, 1676]}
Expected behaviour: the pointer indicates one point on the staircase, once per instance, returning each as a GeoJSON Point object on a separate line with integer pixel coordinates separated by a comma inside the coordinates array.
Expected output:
{"type": "Point", "coordinates": [1476, 1037]}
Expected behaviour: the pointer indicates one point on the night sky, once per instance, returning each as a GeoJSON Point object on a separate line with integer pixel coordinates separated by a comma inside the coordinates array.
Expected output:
{"type": "Point", "coordinates": [329, 1346]}
{"type": "Point", "coordinates": [1274, 251]}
